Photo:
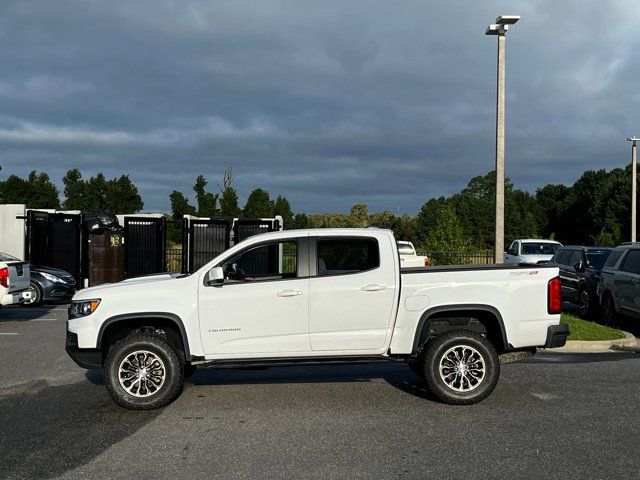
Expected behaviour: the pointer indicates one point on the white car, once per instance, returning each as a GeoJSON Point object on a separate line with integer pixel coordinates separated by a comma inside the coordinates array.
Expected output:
{"type": "Point", "coordinates": [313, 296]}
{"type": "Point", "coordinates": [531, 251]}
{"type": "Point", "coordinates": [409, 257]}
{"type": "Point", "coordinates": [14, 280]}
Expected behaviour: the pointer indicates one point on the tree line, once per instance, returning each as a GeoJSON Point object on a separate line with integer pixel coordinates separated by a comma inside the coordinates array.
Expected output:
{"type": "Point", "coordinates": [595, 210]}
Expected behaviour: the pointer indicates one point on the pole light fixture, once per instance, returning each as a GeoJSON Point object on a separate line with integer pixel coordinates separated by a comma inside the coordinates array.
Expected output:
{"type": "Point", "coordinates": [634, 161]}
{"type": "Point", "coordinates": [499, 29]}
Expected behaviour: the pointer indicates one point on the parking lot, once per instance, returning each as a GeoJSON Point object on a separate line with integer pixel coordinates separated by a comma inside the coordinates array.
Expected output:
{"type": "Point", "coordinates": [555, 415]}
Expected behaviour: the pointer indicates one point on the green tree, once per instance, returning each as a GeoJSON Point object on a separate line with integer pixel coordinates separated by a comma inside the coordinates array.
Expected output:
{"type": "Point", "coordinates": [74, 190]}
{"type": "Point", "coordinates": [446, 236]}
{"type": "Point", "coordinates": [359, 216]}
{"type": "Point", "coordinates": [229, 197]}
{"type": "Point", "coordinates": [95, 194]}
{"type": "Point", "coordinates": [207, 201]}
{"type": "Point", "coordinates": [179, 207]}
{"type": "Point", "coordinates": [258, 205]}
{"type": "Point", "coordinates": [37, 191]}
{"type": "Point", "coordinates": [282, 207]}
{"type": "Point", "coordinates": [301, 221]}
{"type": "Point", "coordinates": [122, 196]}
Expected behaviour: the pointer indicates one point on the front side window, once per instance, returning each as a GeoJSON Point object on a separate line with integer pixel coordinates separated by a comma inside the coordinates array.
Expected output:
{"type": "Point", "coordinates": [348, 255]}
{"type": "Point", "coordinates": [576, 257]}
{"type": "Point", "coordinates": [273, 261]}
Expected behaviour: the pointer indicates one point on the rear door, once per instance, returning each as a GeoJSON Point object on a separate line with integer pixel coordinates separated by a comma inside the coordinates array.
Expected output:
{"type": "Point", "coordinates": [352, 292]}
{"type": "Point", "coordinates": [628, 283]}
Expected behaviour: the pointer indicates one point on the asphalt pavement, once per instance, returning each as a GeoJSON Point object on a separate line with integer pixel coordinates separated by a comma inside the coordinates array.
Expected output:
{"type": "Point", "coordinates": [551, 416]}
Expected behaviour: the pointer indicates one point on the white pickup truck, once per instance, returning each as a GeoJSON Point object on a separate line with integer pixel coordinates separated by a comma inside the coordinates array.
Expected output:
{"type": "Point", "coordinates": [313, 296]}
{"type": "Point", "coordinates": [14, 280]}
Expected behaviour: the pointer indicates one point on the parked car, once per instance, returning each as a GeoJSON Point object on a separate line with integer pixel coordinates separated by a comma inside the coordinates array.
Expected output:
{"type": "Point", "coordinates": [580, 270]}
{"type": "Point", "coordinates": [619, 286]}
{"type": "Point", "coordinates": [344, 297]}
{"type": "Point", "coordinates": [50, 285]}
{"type": "Point", "coordinates": [14, 280]}
{"type": "Point", "coordinates": [531, 252]}
{"type": "Point", "coordinates": [409, 257]}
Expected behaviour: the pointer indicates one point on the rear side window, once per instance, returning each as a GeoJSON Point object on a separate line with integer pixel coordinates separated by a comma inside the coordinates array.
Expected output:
{"type": "Point", "coordinates": [348, 255]}
{"type": "Point", "coordinates": [632, 262]}
{"type": "Point", "coordinates": [613, 258]}
{"type": "Point", "coordinates": [563, 257]}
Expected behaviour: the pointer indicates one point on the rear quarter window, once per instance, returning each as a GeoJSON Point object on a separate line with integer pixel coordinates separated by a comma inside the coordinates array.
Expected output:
{"type": "Point", "coordinates": [339, 256]}
{"type": "Point", "coordinates": [613, 258]}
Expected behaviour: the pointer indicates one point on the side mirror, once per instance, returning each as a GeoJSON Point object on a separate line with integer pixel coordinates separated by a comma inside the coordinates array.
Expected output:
{"type": "Point", "coordinates": [215, 277]}
{"type": "Point", "coordinates": [579, 266]}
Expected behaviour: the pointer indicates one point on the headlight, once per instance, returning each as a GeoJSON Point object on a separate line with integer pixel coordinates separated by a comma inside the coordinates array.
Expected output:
{"type": "Point", "coordinates": [82, 308]}
{"type": "Point", "coordinates": [52, 278]}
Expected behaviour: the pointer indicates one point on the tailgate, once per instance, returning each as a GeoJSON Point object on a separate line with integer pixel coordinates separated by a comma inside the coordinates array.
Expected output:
{"type": "Point", "coordinates": [19, 276]}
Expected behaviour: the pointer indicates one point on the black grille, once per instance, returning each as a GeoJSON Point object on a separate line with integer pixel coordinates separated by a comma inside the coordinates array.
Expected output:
{"type": "Point", "coordinates": [72, 339]}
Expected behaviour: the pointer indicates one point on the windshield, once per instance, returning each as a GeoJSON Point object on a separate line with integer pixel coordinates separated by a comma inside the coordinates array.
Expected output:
{"type": "Point", "coordinates": [534, 248]}
{"type": "Point", "coordinates": [596, 259]}
{"type": "Point", "coordinates": [5, 257]}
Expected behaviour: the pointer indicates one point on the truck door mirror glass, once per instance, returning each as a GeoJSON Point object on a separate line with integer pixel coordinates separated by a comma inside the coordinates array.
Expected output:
{"type": "Point", "coordinates": [215, 276]}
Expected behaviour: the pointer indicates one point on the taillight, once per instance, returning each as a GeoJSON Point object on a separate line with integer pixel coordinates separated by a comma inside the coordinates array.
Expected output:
{"type": "Point", "coordinates": [4, 277]}
{"type": "Point", "coordinates": [426, 261]}
{"type": "Point", "coordinates": [554, 296]}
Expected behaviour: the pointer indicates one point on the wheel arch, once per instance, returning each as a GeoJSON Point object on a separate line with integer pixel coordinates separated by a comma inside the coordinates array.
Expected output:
{"type": "Point", "coordinates": [487, 316]}
{"type": "Point", "coordinates": [120, 323]}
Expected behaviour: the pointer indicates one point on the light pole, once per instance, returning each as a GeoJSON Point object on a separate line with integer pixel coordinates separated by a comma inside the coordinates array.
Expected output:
{"type": "Point", "coordinates": [500, 30]}
{"type": "Point", "coordinates": [634, 158]}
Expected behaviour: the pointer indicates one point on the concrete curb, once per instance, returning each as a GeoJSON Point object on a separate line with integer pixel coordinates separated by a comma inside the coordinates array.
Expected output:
{"type": "Point", "coordinates": [629, 341]}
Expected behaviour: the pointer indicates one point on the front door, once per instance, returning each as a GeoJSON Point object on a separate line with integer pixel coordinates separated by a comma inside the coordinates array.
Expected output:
{"type": "Point", "coordinates": [627, 282]}
{"type": "Point", "coordinates": [262, 306]}
{"type": "Point", "coordinates": [352, 294]}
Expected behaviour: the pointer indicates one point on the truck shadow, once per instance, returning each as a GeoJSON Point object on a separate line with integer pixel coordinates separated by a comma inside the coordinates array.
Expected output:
{"type": "Point", "coordinates": [24, 314]}
{"type": "Point", "coordinates": [48, 430]}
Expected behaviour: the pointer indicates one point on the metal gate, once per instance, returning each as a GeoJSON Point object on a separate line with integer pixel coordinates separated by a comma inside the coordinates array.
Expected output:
{"type": "Point", "coordinates": [203, 240]}
{"type": "Point", "coordinates": [144, 245]}
{"type": "Point", "coordinates": [247, 227]}
{"type": "Point", "coordinates": [56, 240]}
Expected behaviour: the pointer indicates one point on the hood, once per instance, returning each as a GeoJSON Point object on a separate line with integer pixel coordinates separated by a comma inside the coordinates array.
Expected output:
{"type": "Point", "coordinates": [94, 292]}
{"type": "Point", "coordinates": [534, 259]}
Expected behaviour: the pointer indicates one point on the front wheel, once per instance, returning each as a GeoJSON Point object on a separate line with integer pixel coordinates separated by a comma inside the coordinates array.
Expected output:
{"type": "Point", "coordinates": [461, 367]}
{"type": "Point", "coordinates": [584, 299]}
{"type": "Point", "coordinates": [609, 314]}
{"type": "Point", "coordinates": [143, 372]}
{"type": "Point", "coordinates": [36, 295]}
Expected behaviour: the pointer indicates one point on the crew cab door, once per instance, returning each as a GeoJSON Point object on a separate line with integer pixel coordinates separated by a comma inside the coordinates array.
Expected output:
{"type": "Point", "coordinates": [262, 305]}
{"type": "Point", "coordinates": [352, 292]}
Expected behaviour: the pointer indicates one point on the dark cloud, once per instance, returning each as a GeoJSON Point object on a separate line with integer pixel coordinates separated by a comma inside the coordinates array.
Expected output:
{"type": "Point", "coordinates": [329, 103]}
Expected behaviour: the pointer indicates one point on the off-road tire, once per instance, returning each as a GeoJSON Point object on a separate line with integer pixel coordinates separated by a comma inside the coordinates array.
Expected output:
{"type": "Point", "coordinates": [436, 350]}
{"type": "Point", "coordinates": [155, 344]}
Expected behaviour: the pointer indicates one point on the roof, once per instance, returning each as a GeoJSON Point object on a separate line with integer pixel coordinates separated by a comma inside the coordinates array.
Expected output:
{"type": "Point", "coordinates": [538, 240]}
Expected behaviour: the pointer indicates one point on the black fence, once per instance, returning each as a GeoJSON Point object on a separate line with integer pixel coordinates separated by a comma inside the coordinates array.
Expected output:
{"type": "Point", "coordinates": [205, 239]}
{"type": "Point", "coordinates": [56, 240]}
{"type": "Point", "coordinates": [144, 245]}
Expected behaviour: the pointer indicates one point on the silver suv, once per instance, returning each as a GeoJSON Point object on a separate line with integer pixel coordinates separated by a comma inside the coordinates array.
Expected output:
{"type": "Point", "coordinates": [619, 287]}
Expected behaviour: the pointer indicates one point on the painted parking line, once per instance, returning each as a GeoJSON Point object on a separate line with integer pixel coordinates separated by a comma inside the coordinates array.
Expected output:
{"type": "Point", "coordinates": [9, 333]}
{"type": "Point", "coordinates": [43, 320]}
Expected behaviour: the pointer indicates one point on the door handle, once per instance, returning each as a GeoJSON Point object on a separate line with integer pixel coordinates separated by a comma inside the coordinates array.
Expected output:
{"type": "Point", "coordinates": [373, 287]}
{"type": "Point", "coordinates": [289, 293]}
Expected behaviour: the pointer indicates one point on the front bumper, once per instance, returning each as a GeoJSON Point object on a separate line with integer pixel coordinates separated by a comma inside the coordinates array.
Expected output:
{"type": "Point", "coordinates": [557, 335]}
{"type": "Point", "coordinates": [89, 358]}
{"type": "Point", "coordinates": [59, 293]}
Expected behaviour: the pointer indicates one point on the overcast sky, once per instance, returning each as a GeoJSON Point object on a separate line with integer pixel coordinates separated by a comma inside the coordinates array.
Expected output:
{"type": "Point", "coordinates": [329, 103]}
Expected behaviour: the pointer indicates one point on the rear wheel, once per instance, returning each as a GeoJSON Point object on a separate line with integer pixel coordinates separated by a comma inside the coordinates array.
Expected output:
{"type": "Point", "coordinates": [143, 372]}
{"type": "Point", "coordinates": [584, 299]}
{"type": "Point", "coordinates": [461, 367]}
